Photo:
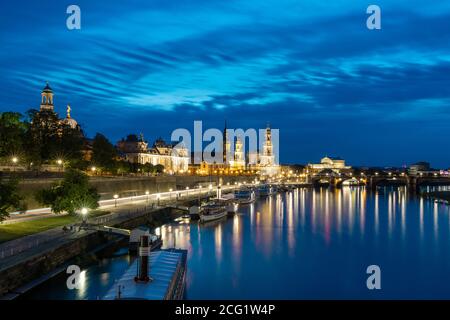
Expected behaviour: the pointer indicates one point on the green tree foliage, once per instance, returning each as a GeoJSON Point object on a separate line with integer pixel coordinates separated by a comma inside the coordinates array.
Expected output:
{"type": "Point", "coordinates": [48, 138]}
{"type": "Point", "coordinates": [9, 197]}
{"type": "Point", "coordinates": [148, 168]}
{"type": "Point", "coordinates": [159, 168]}
{"type": "Point", "coordinates": [103, 152]}
{"type": "Point", "coordinates": [71, 194]}
{"type": "Point", "coordinates": [12, 134]}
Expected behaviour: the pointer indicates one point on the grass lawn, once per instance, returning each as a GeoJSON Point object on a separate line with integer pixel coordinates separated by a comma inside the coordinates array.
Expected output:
{"type": "Point", "coordinates": [16, 230]}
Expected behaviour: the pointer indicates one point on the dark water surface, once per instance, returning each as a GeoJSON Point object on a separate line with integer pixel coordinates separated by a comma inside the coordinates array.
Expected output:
{"type": "Point", "coordinates": [304, 244]}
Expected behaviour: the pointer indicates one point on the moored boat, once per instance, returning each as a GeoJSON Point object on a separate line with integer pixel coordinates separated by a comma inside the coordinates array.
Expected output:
{"type": "Point", "coordinates": [244, 195]}
{"type": "Point", "coordinates": [212, 211]}
{"type": "Point", "coordinates": [265, 190]}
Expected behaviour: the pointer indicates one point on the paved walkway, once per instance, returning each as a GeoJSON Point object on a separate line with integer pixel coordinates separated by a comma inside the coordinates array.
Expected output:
{"type": "Point", "coordinates": [15, 251]}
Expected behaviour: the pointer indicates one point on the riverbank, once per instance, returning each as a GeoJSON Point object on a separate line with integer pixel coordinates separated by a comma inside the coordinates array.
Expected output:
{"type": "Point", "coordinates": [25, 268]}
{"type": "Point", "coordinates": [17, 230]}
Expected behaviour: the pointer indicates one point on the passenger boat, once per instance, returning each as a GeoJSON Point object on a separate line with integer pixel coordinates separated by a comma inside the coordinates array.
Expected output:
{"type": "Point", "coordinates": [229, 201]}
{"type": "Point", "coordinates": [265, 190]}
{"type": "Point", "coordinates": [244, 195]}
{"type": "Point", "coordinates": [212, 211]}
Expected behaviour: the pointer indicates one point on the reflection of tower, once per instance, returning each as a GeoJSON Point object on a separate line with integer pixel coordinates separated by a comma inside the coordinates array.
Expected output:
{"type": "Point", "coordinates": [47, 99]}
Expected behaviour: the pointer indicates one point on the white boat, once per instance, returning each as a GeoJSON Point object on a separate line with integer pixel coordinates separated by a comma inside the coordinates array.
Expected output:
{"type": "Point", "coordinates": [244, 195]}
{"type": "Point", "coordinates": [229, 201]}
{"type": "Point", "coordinates": [212, 211]}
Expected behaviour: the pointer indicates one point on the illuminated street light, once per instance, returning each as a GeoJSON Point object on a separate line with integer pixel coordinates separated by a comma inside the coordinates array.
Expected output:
{"type": "Point", "coordinates": [14, 161]}
{"type": "Point", "coordinates": [84, 212]}
{"type": "Point", "coordinates": [116, 196]}
{"type": "Point", "coordinates": [147, 193]}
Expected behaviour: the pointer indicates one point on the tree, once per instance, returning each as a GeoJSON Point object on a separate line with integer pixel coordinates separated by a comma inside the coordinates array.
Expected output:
{"type": "Point", "coordinates": [42, 137]}
{"type": "Point", "coordinates": [9, 197]}
{"type": "Point", "coordinates": [71, 194]}
{"type": "Point", "coordinates": [103, 152]}
{"type": "Point", "coordinates": [159, 168]}
{"type": "Point", "coordinates": [49, 138]}
{"type": "Point", "coordinates": [148, 168]}
{"type": "Point", "coordinates": [12, 133]}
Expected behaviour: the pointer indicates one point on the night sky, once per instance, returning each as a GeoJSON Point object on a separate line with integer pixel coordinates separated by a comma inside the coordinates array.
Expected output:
{"type": "Point", "coordinates": [310, 68]}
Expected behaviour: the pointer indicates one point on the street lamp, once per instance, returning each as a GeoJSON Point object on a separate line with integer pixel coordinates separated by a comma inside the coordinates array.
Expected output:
{"type": "Point", "coordinates": [170, 193]}
{"type": "Point", "coordinates": [93, 168]}
{"type": "Point", "coordinates": [158, 196]}
{"type": "Point", "coordinates": [147, 193]}
{"type": "Point", "coordinates": [116, 196]}
{"type": "Point", "coordinates": [60, 164]}
{"type": "Point", "coordinates": [14, 161]}
{"type": "Point", "coordinates": [84, 212]}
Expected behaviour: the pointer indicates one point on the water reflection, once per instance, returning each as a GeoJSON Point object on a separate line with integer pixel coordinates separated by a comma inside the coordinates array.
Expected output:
{"type": "Point", "coordinates": [312, 244]}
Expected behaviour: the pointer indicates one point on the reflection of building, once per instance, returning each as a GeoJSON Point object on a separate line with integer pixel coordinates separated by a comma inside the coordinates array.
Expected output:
{"type": "Point", "coordinates": [174, 158]}
{"type": "Point", "coordinates": [329, 164]}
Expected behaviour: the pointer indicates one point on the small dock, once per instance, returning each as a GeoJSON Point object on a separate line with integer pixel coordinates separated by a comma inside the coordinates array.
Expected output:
{"type": "Point", "coordinates": [167, 272]}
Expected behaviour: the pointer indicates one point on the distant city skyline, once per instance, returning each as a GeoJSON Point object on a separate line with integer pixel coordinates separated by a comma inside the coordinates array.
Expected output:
{"type": "Point", "coordinates": [313, 70]}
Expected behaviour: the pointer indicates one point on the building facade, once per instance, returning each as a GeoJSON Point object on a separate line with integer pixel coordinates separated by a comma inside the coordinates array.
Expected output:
{"type": "Point", "coordinates": [134, 149]}
{"type": "Point", "coordinates": [336, 165]}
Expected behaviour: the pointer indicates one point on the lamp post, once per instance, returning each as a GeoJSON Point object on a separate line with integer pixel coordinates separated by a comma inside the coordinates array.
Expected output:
{"type": "Point", "coordinates": [147, 193]}
{"type": "Point", "coordinates": [158, 196]}
{"type": "Point", "coordinates": [187, 192]}
{"type": "Point", "coordinates": [60, 164]}
{"type": "Point", "coordinates": [93, 168]}
{"type": "Point", "coordinates": [84, 212]}
{"type": "Point", "coordinates": [116, 196]}
{"type": "Point", "coordinates": [14, 161]}
{"type": "Point", "coordinates": [170, 194]}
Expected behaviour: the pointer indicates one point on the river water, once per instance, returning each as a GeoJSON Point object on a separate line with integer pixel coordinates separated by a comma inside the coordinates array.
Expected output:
{"type": "Point", "coordinates": [303, 244]}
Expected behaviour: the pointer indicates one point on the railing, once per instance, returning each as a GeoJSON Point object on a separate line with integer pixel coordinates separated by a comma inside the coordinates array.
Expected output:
{"type": "Point", "coordinates": [17, 246]}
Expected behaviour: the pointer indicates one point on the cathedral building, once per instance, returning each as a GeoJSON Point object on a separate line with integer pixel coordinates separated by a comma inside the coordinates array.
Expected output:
{"type": "Point", "coordinates": [175, 159]}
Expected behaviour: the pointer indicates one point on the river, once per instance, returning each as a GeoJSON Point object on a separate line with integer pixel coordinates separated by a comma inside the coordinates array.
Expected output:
{"type": "Point", "coordinates": [303, 244]}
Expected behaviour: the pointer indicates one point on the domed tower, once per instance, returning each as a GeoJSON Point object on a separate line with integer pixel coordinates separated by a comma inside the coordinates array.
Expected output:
{"type": "Point", "coordinates": [47, 99]}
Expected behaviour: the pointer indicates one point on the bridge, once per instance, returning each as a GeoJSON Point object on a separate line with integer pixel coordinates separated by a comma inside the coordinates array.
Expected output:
{"type": "Point", "coordinates": [372, 180]}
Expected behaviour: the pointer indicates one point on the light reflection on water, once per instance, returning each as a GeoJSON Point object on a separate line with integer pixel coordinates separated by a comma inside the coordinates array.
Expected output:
{"type": "Point", "coordinates": [305, 244]}
{"type": "Point", "coordinates": [318, 243]}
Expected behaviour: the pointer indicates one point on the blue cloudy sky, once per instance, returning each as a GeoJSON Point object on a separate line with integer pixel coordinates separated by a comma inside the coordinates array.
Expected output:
{"type": "Point", "coordinates": [310, 68]}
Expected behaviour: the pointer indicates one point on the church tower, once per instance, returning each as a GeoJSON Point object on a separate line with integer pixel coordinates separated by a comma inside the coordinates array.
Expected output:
{"type": "Point", "coordinates": [268, 148]}
{"type": "Point", "coordinates": [47, 99]}
{"type": "Point", "coordinates": [226, 145]}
